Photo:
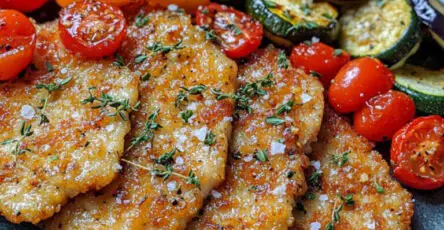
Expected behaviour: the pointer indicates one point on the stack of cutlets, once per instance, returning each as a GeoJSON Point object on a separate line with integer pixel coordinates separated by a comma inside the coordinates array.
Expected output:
{"type": "Point", "coordinates": [206, 146]}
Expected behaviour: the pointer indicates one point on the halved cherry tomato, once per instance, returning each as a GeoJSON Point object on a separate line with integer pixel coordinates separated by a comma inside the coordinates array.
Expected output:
{"type": "Point", "coordinates": [358, 81]}
{"type": "Point", "coordinates": [417, 153]}
{"type": "Point", "coordinates": [238, 33]}
{"type": "Point", "coordinates": [17, 43]}
{"type": "Point", "coordinates": [22, 5]}
{"type": "Point", "coordinates": [93, 29]}
{"type": "Point", "coordinates": [320, 59]}
{"type": "Point", "coordinates": [383, 115]}
{"type": "Point", "coordinates": [64, 3]}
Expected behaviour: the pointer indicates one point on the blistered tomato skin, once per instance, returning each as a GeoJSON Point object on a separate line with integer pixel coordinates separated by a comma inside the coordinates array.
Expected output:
{"type": "Point", "coordinates": [417, 153]}
{"type": "Point", "coordinates": [319, 59]}
{"type": "Point", "coordinates": [91, 29]}
{"type": "Point", "coordinates": [383, 115]}
{"type": "Point", "coordinates": [358, 81]}
{"type": "Point", "coordinates": [238, 34]}
{"type": "Point", "coordinates": [17, 43]}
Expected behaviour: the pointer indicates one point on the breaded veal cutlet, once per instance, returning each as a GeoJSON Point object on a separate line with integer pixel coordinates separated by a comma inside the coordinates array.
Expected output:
{"type": "Point", "coordinates": [344, 165]}
{"type": "Point", "coordinates": [265, 173]}
{"type": "Point", "coordinates": [179, 139]}
{"type": "Point", "coordinates": [53, 146]}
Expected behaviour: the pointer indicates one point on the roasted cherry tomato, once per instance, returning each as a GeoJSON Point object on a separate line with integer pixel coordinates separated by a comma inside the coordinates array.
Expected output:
{"type": "Point", "coordinates": [64, 3]}
{"type": "Point", "coordinates": [417, 153]}
{"type": "Point", "coordinates": [383, 115]}
{"type": "Point", "coordinates": [358, 81]}
{"type": "Point", "coordinates": [17, 43]}
{"type": "Point", "coordinates": [22, 5]}
{"type": "Point", "coordinates": [238, 33]}
{"type": "Point", "coordinates": [92, 29]}
{"type": "Point", "coordinates": [319, 58]}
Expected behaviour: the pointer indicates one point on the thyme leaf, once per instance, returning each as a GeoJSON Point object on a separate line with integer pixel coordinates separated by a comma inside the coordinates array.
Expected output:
{"type": "Point", "coordinates": [157, 47]}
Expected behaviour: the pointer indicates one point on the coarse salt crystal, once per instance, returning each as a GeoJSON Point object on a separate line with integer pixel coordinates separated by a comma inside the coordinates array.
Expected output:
{"type": "Point", "coordinates": [179, 160]}
{"type": "Point", "coordinates": [27, 112]}
{"type": "Point", "coordinates": [171, 185]}
{"type": "Point", "coordinates": [279, 190]}
{"type": "Point", "coordinates": [305, 98]}
{"type": "Point", "coordinates": [277, 148]}
{"type": "Point", "coordinates": [323, 197]}
{"type": "Point", "coordinates": [316, 164]}
{"type": "Point", "coordinates": [200, 133]}
{"type": "Point", "coordinates": [216, 194]}
{"type": "Point", "coordinates": [173, 7]}
{"type": "Point", "coordinates": [315, 226]}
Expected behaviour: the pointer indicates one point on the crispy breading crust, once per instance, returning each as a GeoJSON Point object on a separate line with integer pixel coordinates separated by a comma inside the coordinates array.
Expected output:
{"type": "Point", "coordinates": [261, 195]}
{"type": "Point", "coordinates": [34, 185]}
{"type": "Point", "coordinates": [391, 208]}
{"type": "Point", "coordinates": [138, 199]}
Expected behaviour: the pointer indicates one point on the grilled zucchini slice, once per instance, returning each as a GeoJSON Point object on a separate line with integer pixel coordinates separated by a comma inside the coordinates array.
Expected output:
{"type": "Point", "coordinates": [425, 87]}
{"type": "Point", "coordinates": [287, 21]}
{"type": "Point", "coordinates": [385, 29]}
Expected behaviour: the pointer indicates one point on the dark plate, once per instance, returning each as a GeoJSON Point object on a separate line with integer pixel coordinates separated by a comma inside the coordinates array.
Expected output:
{"type": "Point", "coordinates": [429, 205]}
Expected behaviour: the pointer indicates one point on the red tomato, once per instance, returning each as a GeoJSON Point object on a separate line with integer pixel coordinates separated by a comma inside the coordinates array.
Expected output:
{"type": "Point", "coordinates": [383, 115]}
{"type": "Point", "coordinates": [238, 33]}
{"type": "Point", "coordinates": [358, 81]}
{"type": "Point", "coordinates": [17, 43]}
{"type": "Point", "coordinates": [320, 58]}
{"type": "Point", "coordinates": [417, 153]}
{"type": "Point", "coordinates": [93, 29]}
{"type": "Point", "coordinates": [22, 5]}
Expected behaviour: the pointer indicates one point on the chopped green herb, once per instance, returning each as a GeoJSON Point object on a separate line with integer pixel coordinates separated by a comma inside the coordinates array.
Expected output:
{"type": "Point", "coordinates": [233, 27]}
{"type": "Point", "coordinates": [119, 61]}
{"type": "Point", "coordinates": [348, 199]}
{"type": "Point", "coordinates": [210, 138]}
{"type": "Point", "coordinates": [183, 94]}
{"type": "Point", "coordinates": [166, 158]}
{"type": "Point", "coordinates": [287, 14]}
{"type": "Point", "coordinates": [378, 187]}
{"type": "Point", "coordinates": [25, 131]}
{"type": "Point", "coordinates": [186, 115]}
{"type": "Point", "coordinates": [311, 25]}
{"type": "Point", "coordinates": [285, 108]}
{"type": "Point", "coordinates": [261, 155]}
{"type": "Point", "coordinates": [315, 178]}
{"type": "Point", "coordinates": [44, 101]}
{"type": "Point", "coordinates": [192, 179]}
{"type": "Point", "coordinates": [310, 196]}
{"type": "Point", "coordinates": [106, 100]}
{"type": "Point", "coordinates": [340, 159]}
{"type": "Point", "coordinates": [210, 35]}
{"type": "Point", "coordinates": [157, 47]}
{"type": "Point", "coordinates": [49, 67]}
{"type": "Point", "coordinates": [146, 77]}
{"type": "Point", "coordinates": [306, 9]}
{"type": "Point", "coordinates": [220, 95]}
{"type": "Point", "coordinates": [140, 58]}
{"type": "Point", "coordinates": [327, 16]}
{"type": "Point", "coordinates": [53, 158]}
{"type": "Point", "coordinates": [147, 133]}
{"type": "Point", "coordinates": [282, 60]}
{"type": "Point", "coordinates": [141, 20]}
{"type": "Point", "coordinates": [274, 120]}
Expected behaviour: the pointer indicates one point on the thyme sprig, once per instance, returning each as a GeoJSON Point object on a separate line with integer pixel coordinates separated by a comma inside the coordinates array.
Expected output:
{"type": "Point", "coordinates": [106, 100]}
{"type": "Point", "coordinates": [158, 47]}
{"type": "Point", "coordinates": [184, 93]}
{"type": "Point", "coordinates": [44, 101]}
{"type": "Point", "coordinates": [244, 95]}
{"type": "Point", "coordinates": [25, 131]}
{"type": "Point", "coordinates": [340, 159]}
{"type": "Point", "coordinates": [147, 133]}
{"type": "Point", "coordinates": [347, 200]}
{"type": "Point", "coordinates": [166, 171]}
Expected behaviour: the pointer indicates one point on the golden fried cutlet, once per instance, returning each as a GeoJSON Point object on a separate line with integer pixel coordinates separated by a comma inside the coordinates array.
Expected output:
{"type": "Point", "coordinates": [179, 67]}
{"type": "Point", "coordinates": [260, 193]}
{"type": "Point", "coordinates": [345, 165]}
{"type": "Point", "coordinates": [53, 146]}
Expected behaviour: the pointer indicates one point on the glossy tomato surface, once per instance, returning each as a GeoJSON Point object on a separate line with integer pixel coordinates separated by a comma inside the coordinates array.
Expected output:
{"type": "Point", "coordinates": [358, 81]}
{"type": "Point", "coordinates": [319, 59]}
{"type": "Point", "coordinates": [383, 115]}
{"type": "Point", "coordinates": [17, 43]}
{"type": "Point", "coordinates": [238, 34]}
{"type": "Point", "coordinates": [417, 153]}
{"type": "Point", "coordinates": [22, 5]}
{"type": "Point", "coordinates": [189, 6]}
{"type": "Point", "coordinates": [92, 29]}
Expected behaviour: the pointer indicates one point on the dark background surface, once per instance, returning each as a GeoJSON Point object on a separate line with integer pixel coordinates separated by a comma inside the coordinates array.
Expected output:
{"type": "Point", "coordinates": [429, 205]}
